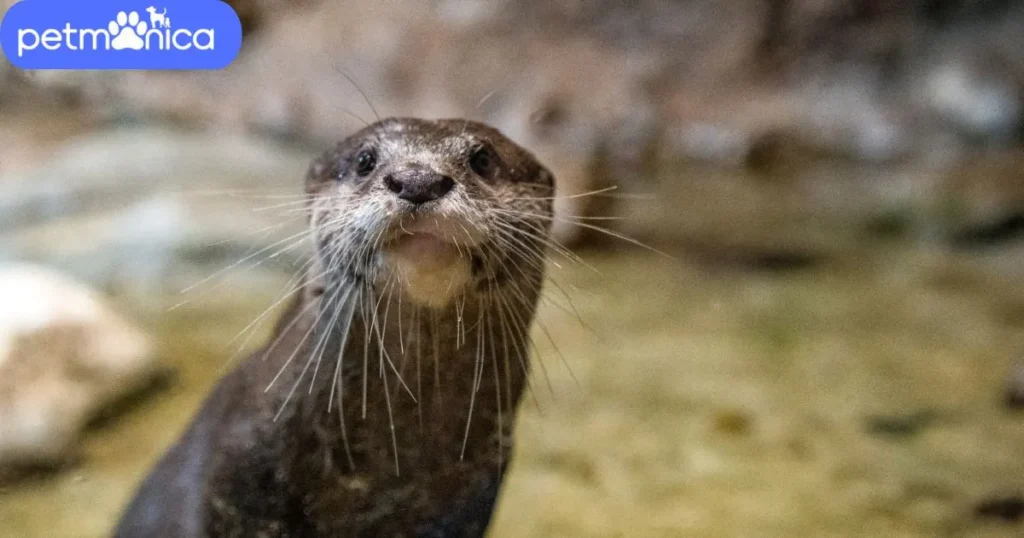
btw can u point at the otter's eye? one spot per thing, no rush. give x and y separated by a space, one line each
482 162
366 161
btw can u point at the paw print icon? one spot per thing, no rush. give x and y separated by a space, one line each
127 31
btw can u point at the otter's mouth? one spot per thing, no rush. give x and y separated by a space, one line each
432 239
426 249
430 256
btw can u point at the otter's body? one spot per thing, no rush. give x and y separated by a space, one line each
396 372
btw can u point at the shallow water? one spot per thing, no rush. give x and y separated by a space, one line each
860 397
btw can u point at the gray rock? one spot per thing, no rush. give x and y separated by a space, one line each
714 143
154 210
64 355
982 105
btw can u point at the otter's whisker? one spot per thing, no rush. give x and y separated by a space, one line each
251 327
599 229
291 357
360 90
513 233
477 373
518 295
401 333
366 346
436 355
273 345
391 423
497 390
505 312
418 341
301 234
287 329
283 296
569 196
339 363
344 429
288 193
223 282
290 204
318 351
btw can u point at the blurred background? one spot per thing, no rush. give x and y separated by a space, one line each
835 346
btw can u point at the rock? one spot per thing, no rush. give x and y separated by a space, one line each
845 120
714 143
982 105
147 211
64 355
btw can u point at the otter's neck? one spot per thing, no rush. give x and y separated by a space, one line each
389 383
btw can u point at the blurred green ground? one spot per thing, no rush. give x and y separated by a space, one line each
707 401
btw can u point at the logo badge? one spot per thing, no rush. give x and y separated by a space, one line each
120 34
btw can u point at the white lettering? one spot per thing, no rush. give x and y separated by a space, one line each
179 46
51 39
159 39
98 39
96 34
68 30
208 32
22 46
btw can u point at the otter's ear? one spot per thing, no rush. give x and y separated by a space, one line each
323 168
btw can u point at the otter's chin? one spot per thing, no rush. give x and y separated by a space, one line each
431 270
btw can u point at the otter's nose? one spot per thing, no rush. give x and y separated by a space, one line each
418 186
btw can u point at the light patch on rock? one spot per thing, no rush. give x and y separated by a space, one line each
714 143
64 355
982 105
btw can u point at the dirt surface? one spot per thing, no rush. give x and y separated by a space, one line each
861 397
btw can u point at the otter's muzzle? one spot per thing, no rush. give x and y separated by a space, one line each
418 185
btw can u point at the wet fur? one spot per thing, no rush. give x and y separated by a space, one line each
369 414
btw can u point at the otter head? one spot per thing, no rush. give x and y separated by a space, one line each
433 209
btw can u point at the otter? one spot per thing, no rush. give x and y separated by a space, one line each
383 403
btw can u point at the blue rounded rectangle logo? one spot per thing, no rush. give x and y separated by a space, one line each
120 34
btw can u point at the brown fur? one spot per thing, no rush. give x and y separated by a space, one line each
427 393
